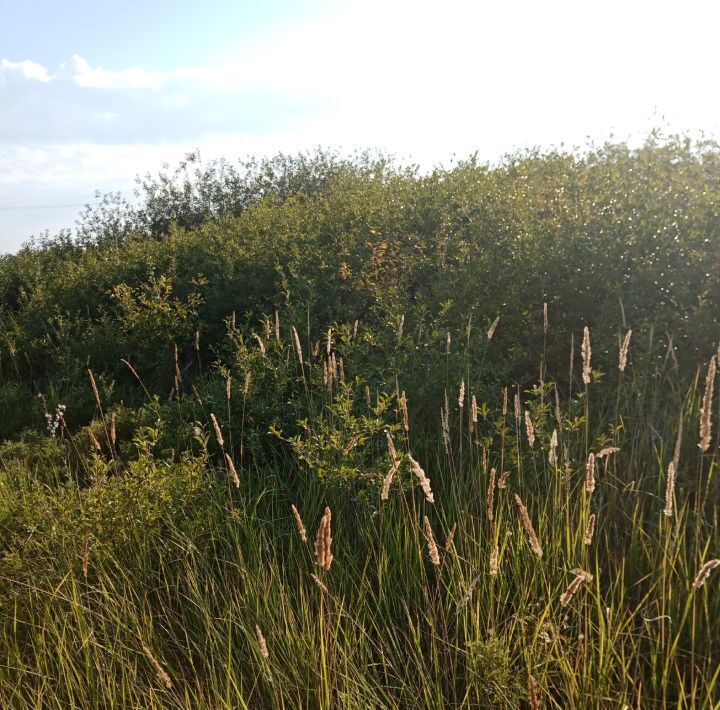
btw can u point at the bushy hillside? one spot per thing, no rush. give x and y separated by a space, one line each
488 390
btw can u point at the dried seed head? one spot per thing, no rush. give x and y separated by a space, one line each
529 530
494 561
590 530
262 644
530 428
451 537
232 470
706 409
432 545
502 482
299 523
491 496
95 389
246 384
505 401
387 481
422 478
159 670
461 395
669 490
94 441
218 432
277 325
580 578
586 354
298 347
552 454
260 343
319 583
491 329
518 408
704 572
622 357
228 388
545 318
391 446
606 452
473 413
113 433
532 694
404 411
590 474
323 541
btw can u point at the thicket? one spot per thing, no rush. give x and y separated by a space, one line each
309 330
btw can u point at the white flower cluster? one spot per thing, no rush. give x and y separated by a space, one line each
53 420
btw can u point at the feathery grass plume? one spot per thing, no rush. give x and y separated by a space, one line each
299 523
315 350
451 537
328 341
197 340
96 393
623 353
94 441
323 541
530 428
422 477
298 347
558 414
277 326
505 401
586 355
706 409
529 529
159 670
445 427
580 578
86 556
532 694
260 343
502 482
491 496
391 446
552 453
233 470
262 644
319 583
447 344
590 530
494 555
432 545
233 320
491 329
228 388
113 433
678 445
590 474
341 371
606 452
473 414
545 318
704 572
387 481
404 411
246 384
518 407
178 375
669 490
333 367
218 432
368 399
461 395
469 591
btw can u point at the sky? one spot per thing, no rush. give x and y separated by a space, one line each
95 93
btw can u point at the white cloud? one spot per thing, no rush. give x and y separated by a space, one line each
26 68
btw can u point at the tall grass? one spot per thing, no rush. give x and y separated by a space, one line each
472 565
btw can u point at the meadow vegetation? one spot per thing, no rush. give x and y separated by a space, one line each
319 432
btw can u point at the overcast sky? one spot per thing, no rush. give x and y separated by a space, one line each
93 93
